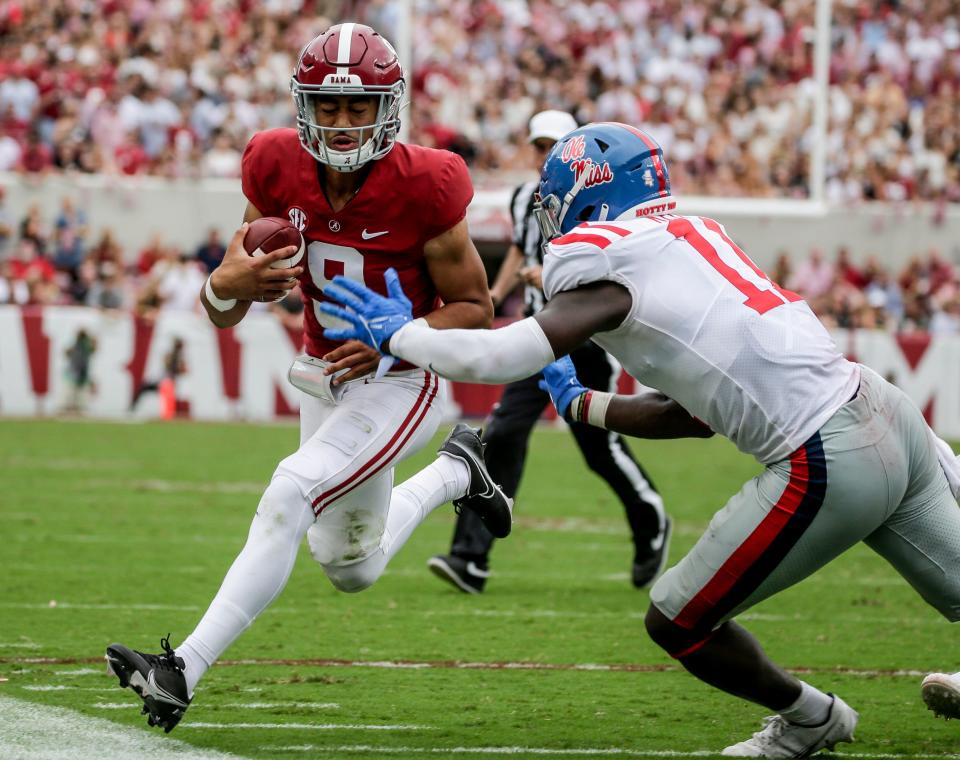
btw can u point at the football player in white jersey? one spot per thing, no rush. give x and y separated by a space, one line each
847 456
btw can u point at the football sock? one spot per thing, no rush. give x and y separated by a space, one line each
811 708
257 575
444 480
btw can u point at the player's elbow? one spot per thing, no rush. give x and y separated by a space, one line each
484 307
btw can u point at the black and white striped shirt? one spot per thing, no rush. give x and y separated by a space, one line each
526 236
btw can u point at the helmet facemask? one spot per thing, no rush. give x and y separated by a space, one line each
383 130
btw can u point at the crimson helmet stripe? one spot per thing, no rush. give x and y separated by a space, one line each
651 145
343 47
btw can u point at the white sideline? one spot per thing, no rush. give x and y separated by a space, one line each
237 705
553 752
307 726
39 732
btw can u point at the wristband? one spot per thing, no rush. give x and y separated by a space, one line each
591 408
220 304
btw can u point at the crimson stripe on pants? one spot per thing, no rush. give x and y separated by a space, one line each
431 384
753 548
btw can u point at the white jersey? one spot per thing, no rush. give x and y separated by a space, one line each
709 329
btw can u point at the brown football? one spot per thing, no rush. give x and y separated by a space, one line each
268 233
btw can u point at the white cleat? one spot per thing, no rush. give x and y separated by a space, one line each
941 693
780 738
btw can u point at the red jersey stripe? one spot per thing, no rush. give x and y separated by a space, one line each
608 227
745 555
577 237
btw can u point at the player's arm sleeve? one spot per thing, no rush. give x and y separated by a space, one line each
491 357
452 193
253 173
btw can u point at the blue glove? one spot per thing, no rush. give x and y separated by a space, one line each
560 381
373 317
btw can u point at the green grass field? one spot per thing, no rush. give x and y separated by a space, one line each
123 532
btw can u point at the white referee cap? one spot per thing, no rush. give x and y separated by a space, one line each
551 125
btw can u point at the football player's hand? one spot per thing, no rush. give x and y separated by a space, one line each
561 382
354 355
372 318
246 278
533 275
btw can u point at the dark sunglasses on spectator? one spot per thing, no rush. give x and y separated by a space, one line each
543 146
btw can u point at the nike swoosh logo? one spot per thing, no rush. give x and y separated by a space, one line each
370 235
476 571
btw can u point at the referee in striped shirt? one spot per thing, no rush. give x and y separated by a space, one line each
508 429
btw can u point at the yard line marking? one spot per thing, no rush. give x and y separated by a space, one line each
276 705
460 611
56 605
81 671
308 726
234 705
29 730
177 486
18 645
569 752
459 665
61 687
65 463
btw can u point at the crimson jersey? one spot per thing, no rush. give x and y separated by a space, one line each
410 196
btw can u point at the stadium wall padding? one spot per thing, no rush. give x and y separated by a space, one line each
240 374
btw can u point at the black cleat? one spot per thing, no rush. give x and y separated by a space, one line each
465 574
483 495
156 678
648 565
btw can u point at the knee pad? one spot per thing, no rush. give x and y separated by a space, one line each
357 576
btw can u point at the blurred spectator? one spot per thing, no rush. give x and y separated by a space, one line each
176 89
109 289
151 254
13 290
19 93
179 281
33 230
847 272
812 277
37 157
174 365
69 229
211 252
222 159
10 152
6 226
79 355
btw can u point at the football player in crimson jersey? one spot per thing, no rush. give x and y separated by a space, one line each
847 456
365 204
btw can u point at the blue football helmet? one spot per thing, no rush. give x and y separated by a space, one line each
600 172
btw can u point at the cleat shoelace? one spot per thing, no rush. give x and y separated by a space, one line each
773 728
166 661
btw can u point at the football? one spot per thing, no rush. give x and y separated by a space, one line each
268 233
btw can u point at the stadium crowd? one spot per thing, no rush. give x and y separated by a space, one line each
62 261
175 89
